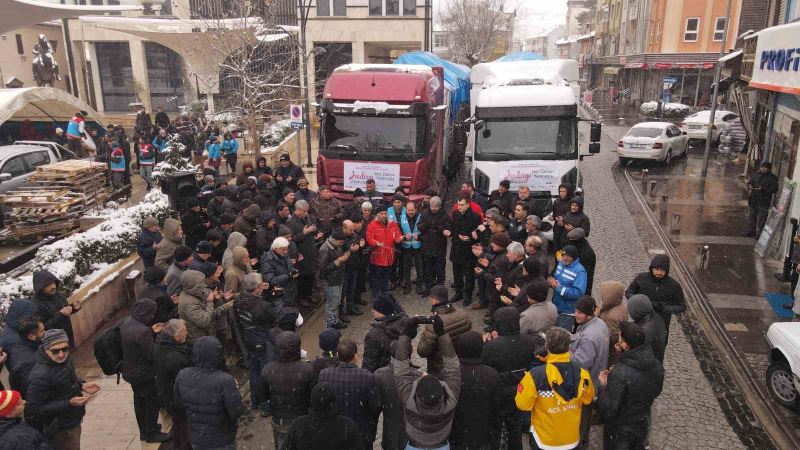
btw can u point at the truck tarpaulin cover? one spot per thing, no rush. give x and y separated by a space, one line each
456 76
521 56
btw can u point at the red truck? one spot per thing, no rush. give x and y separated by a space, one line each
384 122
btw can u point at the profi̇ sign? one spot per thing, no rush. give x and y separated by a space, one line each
777 64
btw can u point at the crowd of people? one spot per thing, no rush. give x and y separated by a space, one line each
229 279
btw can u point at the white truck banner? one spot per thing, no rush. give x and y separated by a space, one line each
386 176
537 176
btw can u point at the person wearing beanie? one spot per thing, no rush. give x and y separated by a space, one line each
568 284
216 207
540 314
51 306
165 249
664 292
15 433
193 223
476 421
355 391
267 232
184 260
382 236
630 388
196 304
148 237
324 426
456 322
332 259
288 173
328 346
557 393
56 395
613 311
641 311
304 193
577 238
386 328
152 285
354 207
256 318
247 223
503 197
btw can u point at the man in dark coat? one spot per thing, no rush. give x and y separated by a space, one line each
324 427
576 218
170 356
355 391
138 334
193 223
51 306
16 434
476 423
462 232
56 400
388 326
150 235
15 342
761 186
631 387
394 431
641 311
586 255
278 271
560 210
209 396
510 353
152 285
288 173
664 292
503 198
216 207
287 382
432 225
305 235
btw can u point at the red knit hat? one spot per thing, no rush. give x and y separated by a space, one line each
8 401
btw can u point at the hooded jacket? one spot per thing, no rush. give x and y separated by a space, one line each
195 308
577 219
169 357
174 273
235 239
144 246
561 206
167 309
247 222
633 385
18 435
256 318
48 307
210 396
377 343
510 353
641 312
194 229
665 294
588 260
456 322
555 393
288 380
137 343
324 427
236 271
21 352
264 235
589 346
50 386
167 246
614 311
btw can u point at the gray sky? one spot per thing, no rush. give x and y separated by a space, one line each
533 16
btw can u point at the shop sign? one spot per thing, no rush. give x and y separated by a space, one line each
386 176
777 62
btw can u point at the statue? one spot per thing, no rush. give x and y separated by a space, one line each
45 67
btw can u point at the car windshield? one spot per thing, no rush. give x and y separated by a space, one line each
644 132
522 138
392 138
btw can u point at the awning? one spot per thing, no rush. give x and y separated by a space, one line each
23 13
731 55
636 66
41 104
662 66
611 70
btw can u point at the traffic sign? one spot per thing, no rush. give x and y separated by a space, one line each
296 115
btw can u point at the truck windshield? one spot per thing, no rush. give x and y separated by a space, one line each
374 138
524 138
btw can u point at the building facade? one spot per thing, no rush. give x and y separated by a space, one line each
544 43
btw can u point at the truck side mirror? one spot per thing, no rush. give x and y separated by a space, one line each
594 147
594 133
478 124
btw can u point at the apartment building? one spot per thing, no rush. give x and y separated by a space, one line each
544 43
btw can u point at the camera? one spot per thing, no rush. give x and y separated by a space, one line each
422 320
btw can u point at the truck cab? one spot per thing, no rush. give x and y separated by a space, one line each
383 122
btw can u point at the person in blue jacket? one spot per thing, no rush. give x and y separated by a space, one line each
411 248
160 142
118 166
230 147
569 284
214 153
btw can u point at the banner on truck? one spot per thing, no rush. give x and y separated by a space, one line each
386 176
537 176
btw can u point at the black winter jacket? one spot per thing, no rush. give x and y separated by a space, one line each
394 432
169 358
578 219
633 385
331 431
767 185
50 386
463 224
17 435
210 397
666 294
588 260
256 318
325 360
377 343
193 228
144 246
137 343
288 381
48 306
477 412
431 225
305 243
505 201
277 271
167 309
21 352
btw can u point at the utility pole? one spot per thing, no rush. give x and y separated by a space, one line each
426 44
304 79
717 72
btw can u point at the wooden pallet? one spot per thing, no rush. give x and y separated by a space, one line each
33 230
72 167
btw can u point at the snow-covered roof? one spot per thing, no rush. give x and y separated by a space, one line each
405 68
565 69
23 13
652 125
531 95
29 103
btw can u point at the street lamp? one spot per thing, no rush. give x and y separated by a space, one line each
717 72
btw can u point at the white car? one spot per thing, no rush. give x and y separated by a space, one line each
696 125
783 372
660 141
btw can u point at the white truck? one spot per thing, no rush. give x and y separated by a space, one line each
524 127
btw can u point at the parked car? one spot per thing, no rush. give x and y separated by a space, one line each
696 125
659 141
21 158
783 372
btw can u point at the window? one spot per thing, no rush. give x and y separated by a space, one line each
20 47
604 14
409 7
14 166
324 7
375 7
37 159
392 7
719 28
439 40
692 28
339 7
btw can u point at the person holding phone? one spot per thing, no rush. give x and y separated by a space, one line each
332 259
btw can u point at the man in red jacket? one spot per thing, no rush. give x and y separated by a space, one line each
382 236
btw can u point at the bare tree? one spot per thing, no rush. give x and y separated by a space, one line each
475 28
585 18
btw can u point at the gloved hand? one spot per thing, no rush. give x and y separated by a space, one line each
410 327
438 325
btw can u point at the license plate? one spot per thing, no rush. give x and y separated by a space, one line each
695 127
637 145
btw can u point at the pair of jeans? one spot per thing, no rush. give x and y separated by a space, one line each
146 405
258 361
566 321
464 279
756 219
231 159
280 427
147 173
434 269
333 295
412 256
379 279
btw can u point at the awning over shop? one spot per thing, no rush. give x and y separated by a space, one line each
41 104
611 70
23 13
636 66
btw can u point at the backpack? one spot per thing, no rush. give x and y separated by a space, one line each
108 351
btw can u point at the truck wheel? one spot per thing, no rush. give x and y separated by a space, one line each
781 384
